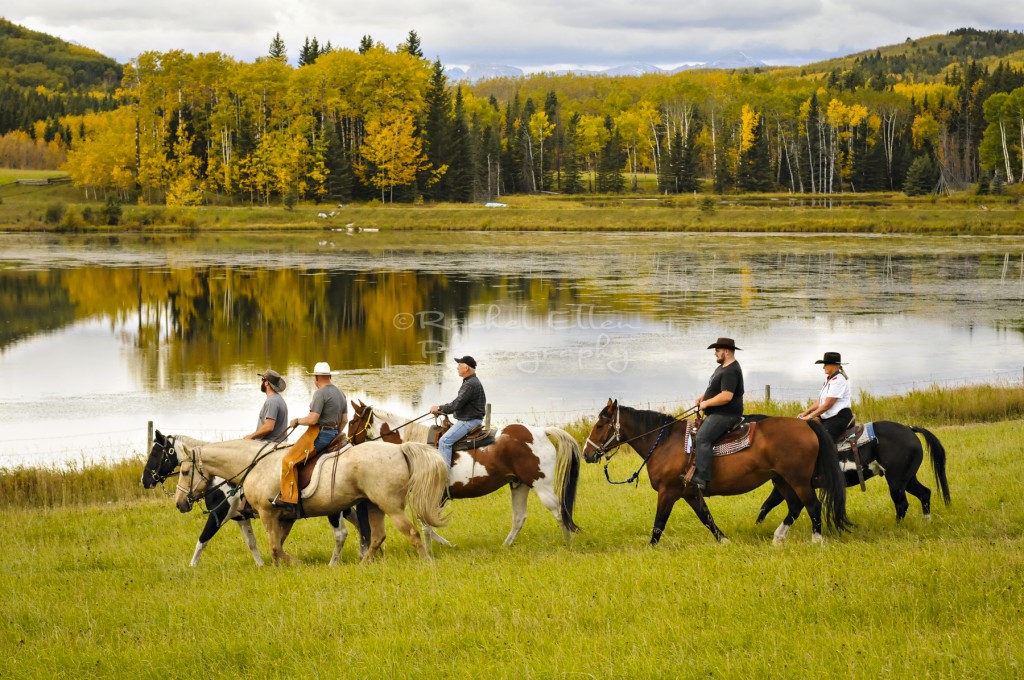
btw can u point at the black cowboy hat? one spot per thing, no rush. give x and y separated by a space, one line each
724 343
274 378
831 358
468 360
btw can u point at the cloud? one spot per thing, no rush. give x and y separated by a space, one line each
525 33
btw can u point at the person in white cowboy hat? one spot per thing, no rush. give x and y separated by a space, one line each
328 410
722 404
835 403
273 420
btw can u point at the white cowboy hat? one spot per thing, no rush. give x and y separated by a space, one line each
322 368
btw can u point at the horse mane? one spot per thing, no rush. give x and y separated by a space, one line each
648 420
188 441
411 432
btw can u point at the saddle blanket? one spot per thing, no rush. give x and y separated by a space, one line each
728 443
318 468
866 437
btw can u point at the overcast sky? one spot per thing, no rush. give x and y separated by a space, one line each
529 34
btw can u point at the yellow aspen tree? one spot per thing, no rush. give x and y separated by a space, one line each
749 118
391 154
183 173
541 129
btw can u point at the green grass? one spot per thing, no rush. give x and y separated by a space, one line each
24 208
104 590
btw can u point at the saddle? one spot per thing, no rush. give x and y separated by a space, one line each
307 468
740 437
859 434
477 438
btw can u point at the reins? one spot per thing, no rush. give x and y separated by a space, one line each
661 433
370 417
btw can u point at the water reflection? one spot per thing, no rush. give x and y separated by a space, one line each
99 335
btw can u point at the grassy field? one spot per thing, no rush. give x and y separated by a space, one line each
38 208
103 589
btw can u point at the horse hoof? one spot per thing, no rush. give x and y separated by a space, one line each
816 538
927 518
723 541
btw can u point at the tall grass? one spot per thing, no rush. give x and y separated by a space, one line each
72 484
106 591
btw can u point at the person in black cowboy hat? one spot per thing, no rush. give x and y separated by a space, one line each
273 421
468 407
835 405
722 404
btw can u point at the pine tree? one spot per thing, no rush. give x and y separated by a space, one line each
610 164
462 176
921 177
754 172
437 133
277 48
412 45
365 44
572 180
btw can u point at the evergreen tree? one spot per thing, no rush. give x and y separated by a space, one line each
412 45
688 172
437 134
610 163
365 44
572 180
463 183
922 177
277 48
340 177
754 172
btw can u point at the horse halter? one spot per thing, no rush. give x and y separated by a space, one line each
197 469
616 437
365 429
167 465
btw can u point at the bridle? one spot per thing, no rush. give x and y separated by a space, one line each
616 437
365 430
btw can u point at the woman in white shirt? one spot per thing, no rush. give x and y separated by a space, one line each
834 406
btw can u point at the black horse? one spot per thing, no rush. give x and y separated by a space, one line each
224 503
897 455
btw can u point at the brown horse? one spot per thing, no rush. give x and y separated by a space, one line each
522 457
788 451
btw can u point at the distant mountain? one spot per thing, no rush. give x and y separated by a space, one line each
476 73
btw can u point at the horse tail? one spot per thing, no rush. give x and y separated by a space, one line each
938 453
831 480
428 482
567 472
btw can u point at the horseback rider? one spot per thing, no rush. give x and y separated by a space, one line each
273 420
467 407
328 410
835 405
722 404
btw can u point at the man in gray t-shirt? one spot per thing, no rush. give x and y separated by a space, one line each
328 408
273 420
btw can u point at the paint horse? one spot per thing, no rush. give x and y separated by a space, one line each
895 452
788 451
522 457
225 501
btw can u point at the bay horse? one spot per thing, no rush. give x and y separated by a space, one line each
225 501
522 457
386 474
896 454
786 450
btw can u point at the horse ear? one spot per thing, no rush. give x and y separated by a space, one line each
610 402
158 437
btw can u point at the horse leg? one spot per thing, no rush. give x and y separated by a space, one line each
547 496
245 526
700 508
923 494
806 497
340 535
770 503
404 525
520 494
277 531
375 516
794 508
898 493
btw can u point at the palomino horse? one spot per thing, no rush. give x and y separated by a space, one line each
388 475
224 501
522 457
786 450
897 455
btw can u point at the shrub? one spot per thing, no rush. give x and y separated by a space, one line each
55 213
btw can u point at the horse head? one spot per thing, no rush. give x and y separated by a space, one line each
605 434
162 461
191 486
360 428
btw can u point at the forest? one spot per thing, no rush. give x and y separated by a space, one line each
942 113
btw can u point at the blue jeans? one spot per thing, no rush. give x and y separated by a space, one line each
457 432
325 437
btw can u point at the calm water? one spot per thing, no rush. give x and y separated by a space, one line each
100 335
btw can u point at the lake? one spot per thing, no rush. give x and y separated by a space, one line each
101 334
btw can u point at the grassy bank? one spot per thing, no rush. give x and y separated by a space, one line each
63 209
105 590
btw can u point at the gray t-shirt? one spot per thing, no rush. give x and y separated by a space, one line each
276 408
330 403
